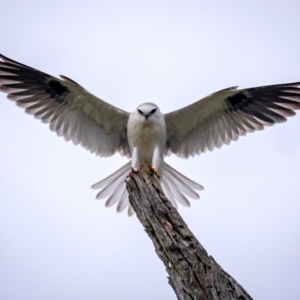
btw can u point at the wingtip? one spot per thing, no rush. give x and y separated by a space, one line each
201 188
4 58
93 187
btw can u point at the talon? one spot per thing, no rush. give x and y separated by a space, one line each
155 172
136 171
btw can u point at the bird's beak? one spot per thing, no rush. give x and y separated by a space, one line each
147 116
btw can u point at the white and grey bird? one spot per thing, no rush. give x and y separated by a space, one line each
146 135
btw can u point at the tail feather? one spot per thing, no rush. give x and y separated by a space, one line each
189 182
174 203
115 196
185 189
130 211
176 186
187 186
168 192
110 188
100 184
123 203
177 194
110 183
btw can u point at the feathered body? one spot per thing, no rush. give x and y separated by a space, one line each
146 132
145 135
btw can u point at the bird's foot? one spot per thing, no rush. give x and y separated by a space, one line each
136 171
154 171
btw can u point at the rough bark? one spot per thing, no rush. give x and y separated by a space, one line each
193 274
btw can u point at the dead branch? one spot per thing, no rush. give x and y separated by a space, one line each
193 274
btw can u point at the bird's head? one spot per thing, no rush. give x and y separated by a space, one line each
149 111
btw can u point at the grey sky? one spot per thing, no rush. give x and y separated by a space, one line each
57 242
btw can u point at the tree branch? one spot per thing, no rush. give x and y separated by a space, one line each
193 274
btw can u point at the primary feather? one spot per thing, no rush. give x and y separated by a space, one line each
70 110
225 115
145 135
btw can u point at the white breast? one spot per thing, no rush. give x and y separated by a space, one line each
146 135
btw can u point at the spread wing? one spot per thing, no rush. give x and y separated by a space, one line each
225 115
70 110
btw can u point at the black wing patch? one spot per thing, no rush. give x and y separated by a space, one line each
238 101
19 80
269 104
57 91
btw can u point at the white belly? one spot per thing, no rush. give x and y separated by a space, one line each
147 139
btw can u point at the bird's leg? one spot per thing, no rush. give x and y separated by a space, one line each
156 161
136 171
135 163
154 171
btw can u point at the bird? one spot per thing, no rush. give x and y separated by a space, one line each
146 135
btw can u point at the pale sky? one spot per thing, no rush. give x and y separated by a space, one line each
57 241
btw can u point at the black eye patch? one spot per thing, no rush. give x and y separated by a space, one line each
153 111
140 112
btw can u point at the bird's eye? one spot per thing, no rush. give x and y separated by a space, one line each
153 110
140 112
